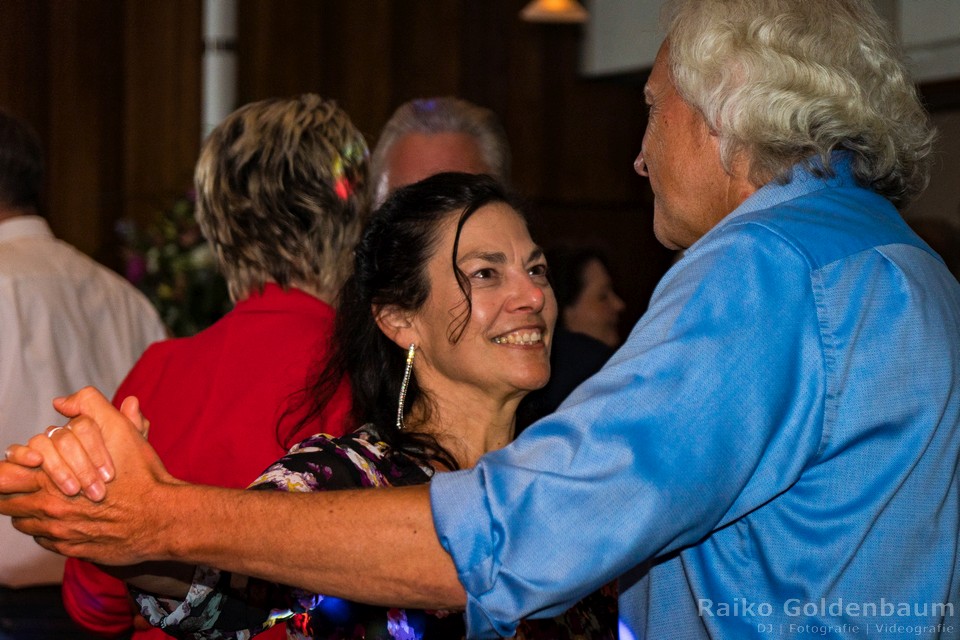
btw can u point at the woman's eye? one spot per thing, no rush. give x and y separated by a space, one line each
484 274
539 270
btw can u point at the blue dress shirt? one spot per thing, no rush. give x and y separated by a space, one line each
772 454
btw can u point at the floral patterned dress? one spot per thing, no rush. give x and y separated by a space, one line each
221 605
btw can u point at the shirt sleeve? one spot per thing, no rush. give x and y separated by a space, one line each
711 408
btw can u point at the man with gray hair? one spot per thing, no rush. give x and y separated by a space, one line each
772 453
433 135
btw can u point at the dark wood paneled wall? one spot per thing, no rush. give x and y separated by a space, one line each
573 139
113 86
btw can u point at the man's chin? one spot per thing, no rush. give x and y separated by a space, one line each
664 237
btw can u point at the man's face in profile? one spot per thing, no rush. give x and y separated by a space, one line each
681 156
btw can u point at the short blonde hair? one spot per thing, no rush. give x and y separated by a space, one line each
281 194
787 80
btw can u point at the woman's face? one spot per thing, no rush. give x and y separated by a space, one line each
504 350
596 312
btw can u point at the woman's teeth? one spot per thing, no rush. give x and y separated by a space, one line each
519 337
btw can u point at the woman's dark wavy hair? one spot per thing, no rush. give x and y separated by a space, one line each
390 270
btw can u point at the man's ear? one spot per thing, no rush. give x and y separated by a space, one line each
396 324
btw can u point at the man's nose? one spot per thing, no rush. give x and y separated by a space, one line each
640 166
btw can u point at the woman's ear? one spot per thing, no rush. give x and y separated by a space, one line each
396 324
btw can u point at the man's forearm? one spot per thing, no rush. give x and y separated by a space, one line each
377 546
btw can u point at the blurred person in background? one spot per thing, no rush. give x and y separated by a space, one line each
433 135
64 320
588 303
588 329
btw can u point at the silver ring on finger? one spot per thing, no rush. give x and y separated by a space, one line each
53 430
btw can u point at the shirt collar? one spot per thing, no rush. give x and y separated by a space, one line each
24 227
800 181
275 297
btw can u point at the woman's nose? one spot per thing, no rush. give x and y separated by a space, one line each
528 295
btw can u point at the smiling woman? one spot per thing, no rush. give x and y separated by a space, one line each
496 347
445 325
446 265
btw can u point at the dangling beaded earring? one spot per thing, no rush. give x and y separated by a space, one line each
411 352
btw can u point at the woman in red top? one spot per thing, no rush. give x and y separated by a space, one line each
280 198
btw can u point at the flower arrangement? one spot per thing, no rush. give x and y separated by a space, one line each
171 263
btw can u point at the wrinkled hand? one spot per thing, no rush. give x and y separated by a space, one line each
74 456
100 443
15 478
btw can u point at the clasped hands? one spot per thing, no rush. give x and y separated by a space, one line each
55 487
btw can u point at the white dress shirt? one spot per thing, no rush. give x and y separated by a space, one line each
65 322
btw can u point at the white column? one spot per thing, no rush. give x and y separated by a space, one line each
219 62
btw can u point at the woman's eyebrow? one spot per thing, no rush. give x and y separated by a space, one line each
497 257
